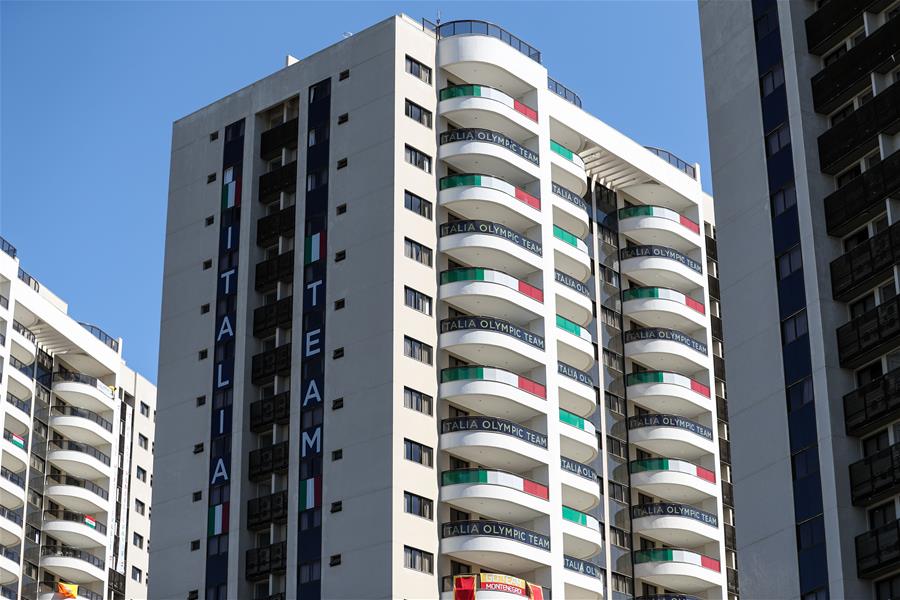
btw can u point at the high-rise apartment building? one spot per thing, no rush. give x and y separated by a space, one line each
804 112
424 317
76 454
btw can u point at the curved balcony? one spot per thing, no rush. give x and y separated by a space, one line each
575 344
675 569
475 106
675 524
665 349
488 390
670 435
492 245
81 460
578 437
571 254
571 211
495 443
491 586
580 487
573 298
19 382
15 451
495 494
576 390
11 527
476 150
488 198
582 579
581 533
478 290
673 479
495 545
81 425
24 343
74 529
661 266
85 391
20 410
659 226
77 494
567 168
482 51
488 340
12 488
73 564
10 564
662 307
664 391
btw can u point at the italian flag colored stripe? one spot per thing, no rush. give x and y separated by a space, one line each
314 248
500 478
575 421
494 183
311 493
90 521
569 238
658 212
218 519
525 110
18 441
483 91
689 224
471 373
583 519
675 555
673 465
562 150
231 189
489 275
573 328
663 294
665 377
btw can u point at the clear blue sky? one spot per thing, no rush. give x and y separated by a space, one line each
88 93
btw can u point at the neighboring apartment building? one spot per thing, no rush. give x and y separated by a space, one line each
77 451
804 112
424 317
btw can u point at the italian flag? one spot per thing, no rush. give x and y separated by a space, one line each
664 294
314 248
500 478
311 493
494 374
576 516
665 377
659 212
574 420
481 274
671 464
673 555
482 91
231 189
494 183
569 238
218 519
18 441
573 328
90 521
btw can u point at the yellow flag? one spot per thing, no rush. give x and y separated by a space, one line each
67 590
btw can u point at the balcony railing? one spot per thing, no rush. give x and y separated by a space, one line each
495 582
658 293
495 477
484 91
12 553
15 439
567 154
4 301
72 377
69 445
48 587
870 334
580 469
281 179
668 509
492 276
19 403
870 406
275 269
573 328
584 567
101 335
569 238
24 331
482 373
674 421
878 551
660 252
63 479
272 508
268 460
11 515
268 411
676 555
83 413
573 373
672 465
276 361
660 213
15 478
477 134
27 370
865 264
580 518
75 517
490 228
271 316
495 425
67 552
497 529
876 476
489 182
274 139
282 223
471 27
661 333
476 323
7 248
666 377
563 92
29 280
834 21
863 197
673 160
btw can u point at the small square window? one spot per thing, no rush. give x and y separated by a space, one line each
195 545
337 403
338 353
341 209
210 220
201 400
340 255
198 496
198 448
210 178
337 506
344 75
207 264
337 454
335 560
214 136
339 304
343 118
193 595
202 354
342 163
204 308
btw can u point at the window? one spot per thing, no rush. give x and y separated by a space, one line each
143 442
340 209
338 353
834 56
418 205
214 136
617 447
145 409
419 114
207 264
417 69
416 300
137 574
417 252
418 159
783 199
778 139
137 539
343 118
766 24
197 496
882 515
417 505
800 394
417 401
619 492
339 304
793 327
610 317
210 178
841 114
619 537
418 453
210 220
613 360
320 90
139 507
342 163
417 350
317 135
198 448
620 583
615 403
340 255
337 454
337 506
141 474
316 179
418 560
334 560
337 404
848 176
310 571
217 544
862 306
810 533
805 463
771 80
202 354
201 400
345 74
195 545
790 262
204 308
